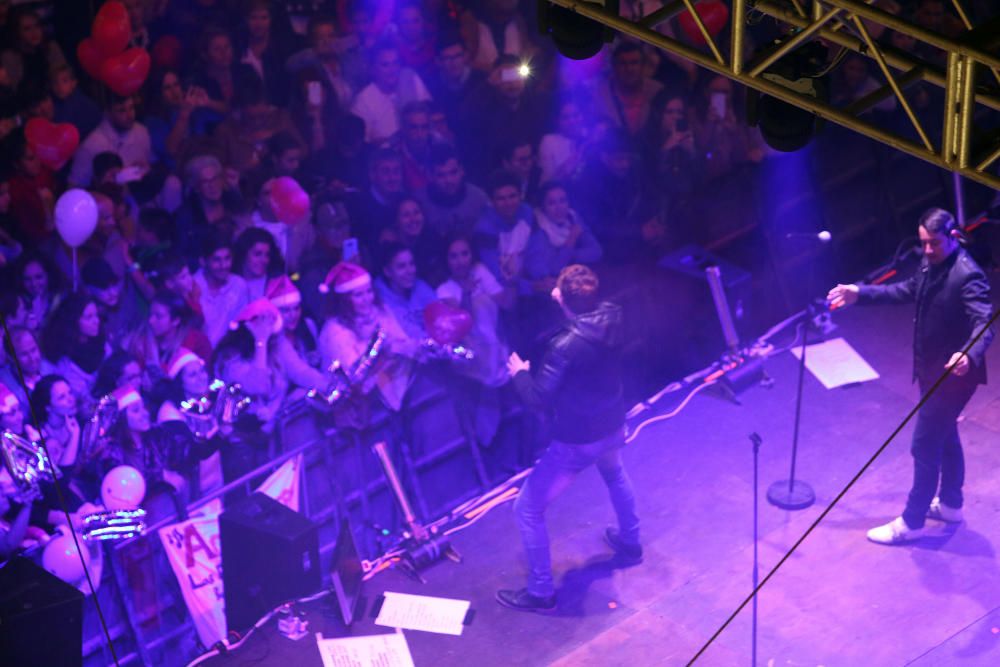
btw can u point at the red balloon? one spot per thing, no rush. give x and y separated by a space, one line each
166 53
714 15
447 324
53 143
90 57
112 29
290 202
126 72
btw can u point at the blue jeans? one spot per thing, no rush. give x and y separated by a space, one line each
558 467
937 449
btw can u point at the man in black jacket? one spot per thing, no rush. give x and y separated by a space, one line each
580 385
953 308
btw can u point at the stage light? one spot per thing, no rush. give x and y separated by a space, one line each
783 126
524 70
575 36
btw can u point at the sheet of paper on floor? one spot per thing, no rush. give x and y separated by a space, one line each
422 612
835 363
388 650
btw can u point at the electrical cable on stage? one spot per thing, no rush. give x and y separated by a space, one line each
222 646
673 413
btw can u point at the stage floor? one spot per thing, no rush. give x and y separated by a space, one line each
838 601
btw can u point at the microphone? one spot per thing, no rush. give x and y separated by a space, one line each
823 236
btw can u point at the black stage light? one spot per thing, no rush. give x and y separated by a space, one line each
575 36
783 126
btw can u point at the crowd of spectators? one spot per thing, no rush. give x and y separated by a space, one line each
438 168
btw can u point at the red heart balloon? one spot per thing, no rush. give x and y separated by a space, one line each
447 324
112 29
126 72
713 14
53 143
90 57
288 200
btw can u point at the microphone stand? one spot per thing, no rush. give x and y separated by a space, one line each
793 494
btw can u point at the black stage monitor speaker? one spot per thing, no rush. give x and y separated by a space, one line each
41 617
270 554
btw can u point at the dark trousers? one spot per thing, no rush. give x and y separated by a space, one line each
938 461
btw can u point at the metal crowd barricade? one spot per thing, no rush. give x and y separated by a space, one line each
328 454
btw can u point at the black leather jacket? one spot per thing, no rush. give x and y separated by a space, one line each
953 305
579 380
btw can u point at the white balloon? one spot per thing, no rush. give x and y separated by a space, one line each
62 559
76 217
123 488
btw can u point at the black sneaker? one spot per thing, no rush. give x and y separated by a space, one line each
631 553
522 600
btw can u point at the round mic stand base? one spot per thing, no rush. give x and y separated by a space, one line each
795 496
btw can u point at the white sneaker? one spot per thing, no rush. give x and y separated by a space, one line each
895 532
942 512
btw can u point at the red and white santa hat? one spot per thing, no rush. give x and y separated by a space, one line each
182 357
281 291
8 401
345 277
126 396
256 309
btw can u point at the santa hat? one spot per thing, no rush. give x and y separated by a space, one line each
281 291
255 309
182 357
125 396
345 277
8 401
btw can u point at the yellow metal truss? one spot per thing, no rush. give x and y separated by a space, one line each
845 23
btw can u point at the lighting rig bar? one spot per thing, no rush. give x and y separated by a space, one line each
845 23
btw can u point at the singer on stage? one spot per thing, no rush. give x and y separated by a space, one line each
953 305
579 384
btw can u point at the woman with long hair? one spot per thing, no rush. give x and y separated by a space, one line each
74 341
55 407
30 54
357 315
153 451
257 259
561 153
263 45
471 286
187 379
670 153
176 115
297 345
560 238
410 228
39 282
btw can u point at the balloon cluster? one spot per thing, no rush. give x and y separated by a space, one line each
105 56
